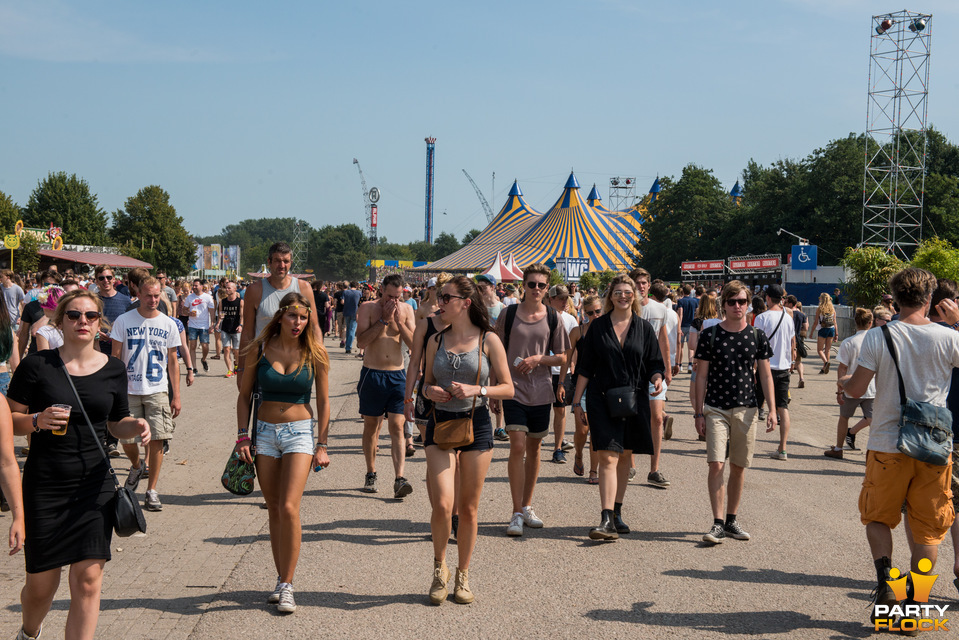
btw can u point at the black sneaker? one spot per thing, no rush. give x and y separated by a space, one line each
401 488
881 594
657 479
455 522
715 535
559 456
112 451
206 367
370 485
417 439
733 530
851 442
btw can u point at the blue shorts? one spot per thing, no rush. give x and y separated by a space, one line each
828 332
662 394
193 333
482 428
277 440
381 391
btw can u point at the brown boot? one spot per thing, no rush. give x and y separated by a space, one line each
462 593
441 575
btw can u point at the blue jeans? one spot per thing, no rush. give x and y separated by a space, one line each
350 331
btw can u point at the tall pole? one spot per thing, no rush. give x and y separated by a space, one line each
430 151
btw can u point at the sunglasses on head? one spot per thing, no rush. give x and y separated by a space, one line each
104 277
738 301
446 297
537 285
75 315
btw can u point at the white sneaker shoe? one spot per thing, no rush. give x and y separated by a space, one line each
287 604
274 597
530 519
515 527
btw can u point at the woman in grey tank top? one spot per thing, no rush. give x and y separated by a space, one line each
452 358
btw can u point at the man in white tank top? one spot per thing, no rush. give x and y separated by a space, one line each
262 299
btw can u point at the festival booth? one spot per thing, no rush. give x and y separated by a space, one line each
83 261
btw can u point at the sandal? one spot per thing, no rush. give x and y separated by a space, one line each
578 468
593 478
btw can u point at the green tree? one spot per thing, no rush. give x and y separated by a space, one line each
254 237
938 256
150 221
339 253
9 214
66 202
596 279
871 269
470 236
444 245
26 258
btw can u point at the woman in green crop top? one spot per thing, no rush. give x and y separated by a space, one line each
288 362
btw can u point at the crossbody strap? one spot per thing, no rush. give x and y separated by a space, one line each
479 367
93 432
895 361
777 326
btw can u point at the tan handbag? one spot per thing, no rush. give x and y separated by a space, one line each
458 432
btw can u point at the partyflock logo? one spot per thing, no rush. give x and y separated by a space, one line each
915 615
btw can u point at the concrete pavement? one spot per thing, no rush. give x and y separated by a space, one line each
204 569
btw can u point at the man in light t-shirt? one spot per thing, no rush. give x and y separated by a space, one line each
778 326
659 292
655 313
848 355
927 353
200 305
147 340
557 298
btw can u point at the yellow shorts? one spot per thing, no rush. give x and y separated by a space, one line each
892 478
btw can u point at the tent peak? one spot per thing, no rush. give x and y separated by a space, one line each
594 194
572 182
515 191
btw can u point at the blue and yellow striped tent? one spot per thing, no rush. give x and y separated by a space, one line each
572 228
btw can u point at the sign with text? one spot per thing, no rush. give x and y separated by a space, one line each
373 215
748 264
572 269
804 257
704 265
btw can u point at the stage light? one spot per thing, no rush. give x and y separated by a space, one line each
884 26
917 25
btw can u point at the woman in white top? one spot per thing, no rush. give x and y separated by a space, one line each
49 336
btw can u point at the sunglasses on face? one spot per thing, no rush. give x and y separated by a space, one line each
104 277
75 315
738 301
446 297
536 285
622 294
594 312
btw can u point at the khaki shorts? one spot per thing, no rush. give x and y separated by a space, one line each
892 478
730 433
155 409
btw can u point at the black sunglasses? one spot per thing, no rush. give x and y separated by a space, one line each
594 312
75 315
738 301
446 297
537 285
104 277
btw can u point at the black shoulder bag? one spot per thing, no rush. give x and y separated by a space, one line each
622 402
128 516
925 430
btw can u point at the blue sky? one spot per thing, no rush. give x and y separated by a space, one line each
246 110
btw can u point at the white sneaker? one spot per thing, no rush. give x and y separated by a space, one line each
274 597
22 635
287 604
515 527
530 519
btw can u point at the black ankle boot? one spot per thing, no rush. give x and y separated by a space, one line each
621 527
606 529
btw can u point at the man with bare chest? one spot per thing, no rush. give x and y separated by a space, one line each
381 325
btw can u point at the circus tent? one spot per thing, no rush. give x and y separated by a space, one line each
574 227
501 270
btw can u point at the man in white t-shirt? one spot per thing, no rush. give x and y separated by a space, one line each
557 298
848 356
778 326
147 340
655 313
200 305
659 292
927 353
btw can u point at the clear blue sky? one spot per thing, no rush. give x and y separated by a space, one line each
246 110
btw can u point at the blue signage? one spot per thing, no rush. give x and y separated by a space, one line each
804 257
572 268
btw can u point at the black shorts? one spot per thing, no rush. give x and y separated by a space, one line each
482 428
780 387
381 392
534 421
569 390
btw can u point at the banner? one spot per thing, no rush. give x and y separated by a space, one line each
198 262
571 269
757 263
704 265
215 255
207 258
231 258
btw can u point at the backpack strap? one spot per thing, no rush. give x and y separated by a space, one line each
508 325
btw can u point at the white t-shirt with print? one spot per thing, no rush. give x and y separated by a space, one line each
202 304
849 356
146 343
927 355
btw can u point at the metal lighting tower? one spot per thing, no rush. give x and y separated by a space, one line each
430 151
896 131
622 193
300 246
370 198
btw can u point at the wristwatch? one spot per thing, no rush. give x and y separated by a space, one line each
36 427
483 391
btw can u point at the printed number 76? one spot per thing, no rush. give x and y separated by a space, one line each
154 359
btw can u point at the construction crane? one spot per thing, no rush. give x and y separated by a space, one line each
368 205
482 198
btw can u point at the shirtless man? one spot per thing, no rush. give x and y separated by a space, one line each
380 325
262 299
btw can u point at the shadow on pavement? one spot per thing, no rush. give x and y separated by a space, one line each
765 623
770 576
369 532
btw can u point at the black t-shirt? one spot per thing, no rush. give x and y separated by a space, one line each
231 315
322 300
338 299
32 311
799 318
731 356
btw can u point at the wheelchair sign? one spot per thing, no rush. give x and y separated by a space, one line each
804 256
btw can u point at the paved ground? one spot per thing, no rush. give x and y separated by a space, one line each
204 569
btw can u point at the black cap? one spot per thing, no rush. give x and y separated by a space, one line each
775 292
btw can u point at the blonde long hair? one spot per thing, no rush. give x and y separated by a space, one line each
311 349
825 305
608 298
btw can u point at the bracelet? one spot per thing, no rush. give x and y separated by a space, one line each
243 439
409 401
698 415
955 326
320 445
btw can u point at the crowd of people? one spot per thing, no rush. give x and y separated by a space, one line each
501 362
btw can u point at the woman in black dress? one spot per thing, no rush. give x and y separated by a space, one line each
67 490
620 349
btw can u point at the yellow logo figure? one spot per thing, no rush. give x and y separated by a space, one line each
922 583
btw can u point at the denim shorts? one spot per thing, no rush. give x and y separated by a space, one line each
4 382
230 340
192 333
827 332
277 440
